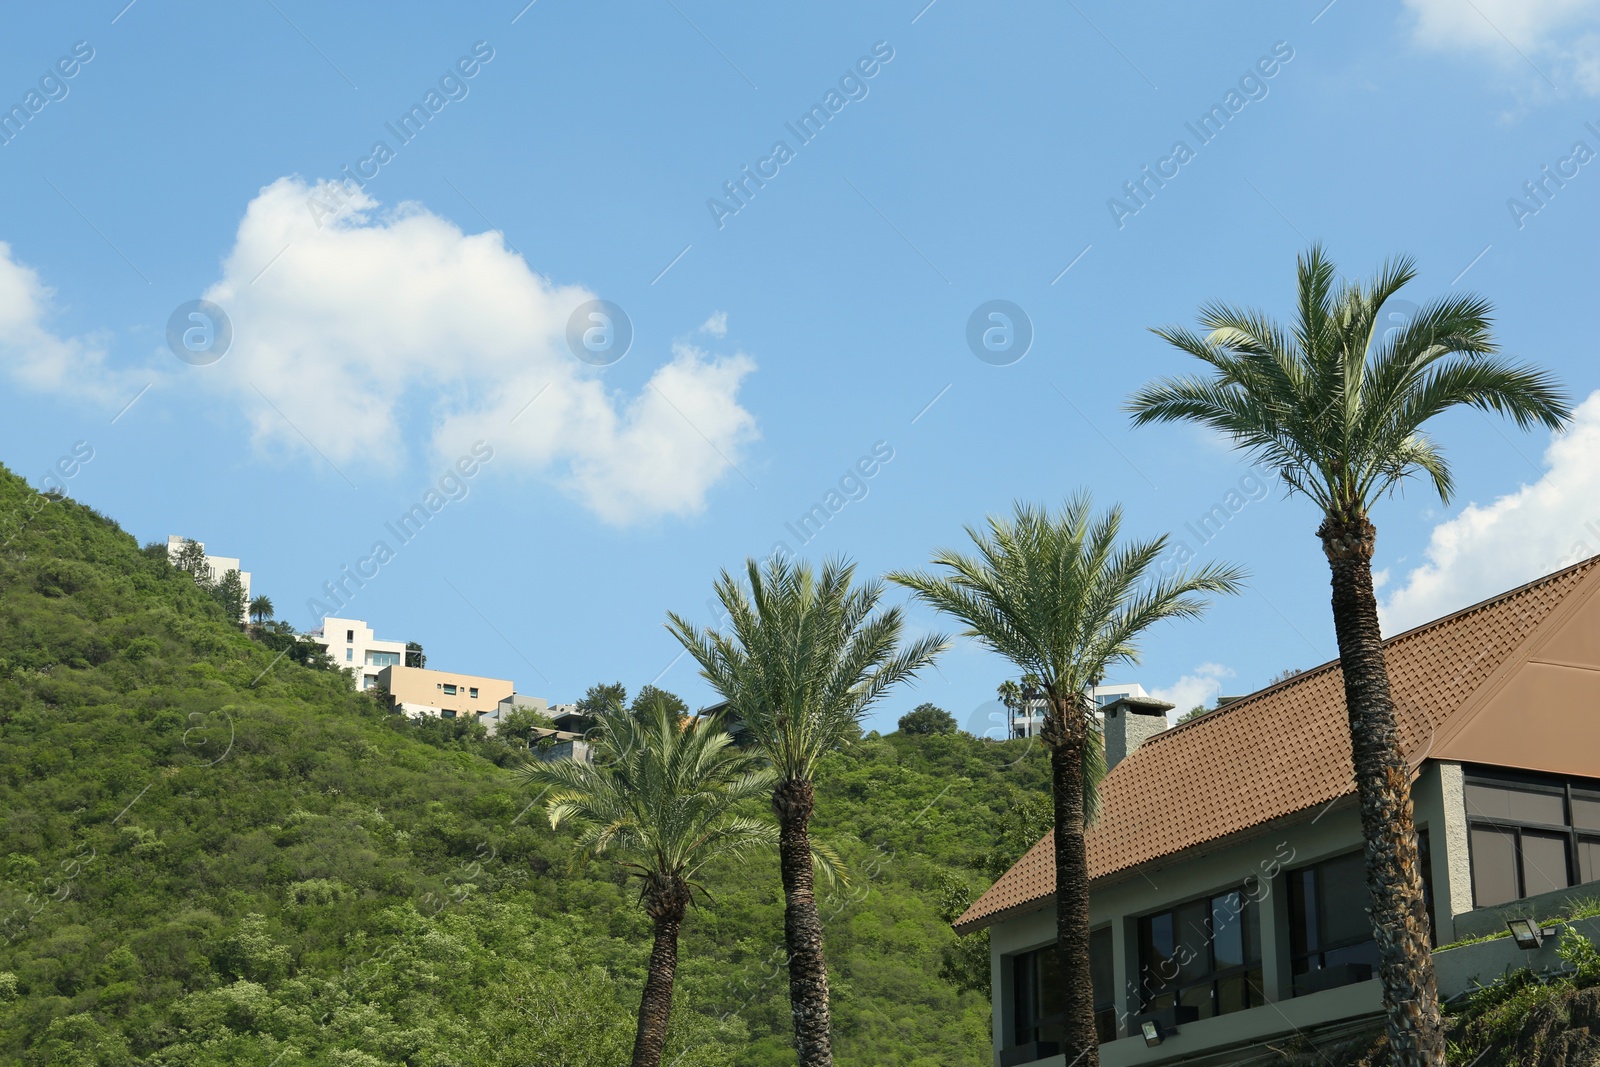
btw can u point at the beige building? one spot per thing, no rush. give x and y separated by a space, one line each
352 645
1228 911
417 691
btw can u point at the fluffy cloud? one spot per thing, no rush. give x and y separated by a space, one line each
350 334
716 325
1201 687
1524 535
39 359
1561 38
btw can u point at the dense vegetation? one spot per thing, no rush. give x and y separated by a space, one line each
213 854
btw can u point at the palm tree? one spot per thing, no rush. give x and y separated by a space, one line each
806 658
1010 694
662 797
1059 597
1337 409
261 609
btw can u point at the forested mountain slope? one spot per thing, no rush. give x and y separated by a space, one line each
212 854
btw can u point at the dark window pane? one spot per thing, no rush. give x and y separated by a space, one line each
1227 943
1101 976
1193 928
1489 801
1251 920
1544 862
1547 808
1366 952
1494 866
1161 1003
1586 813
1232 995
1345 900
1257 987
1155 951
1198 997
1589 859
1304 934
1105 1025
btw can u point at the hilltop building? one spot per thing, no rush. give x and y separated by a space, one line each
219 566
1227 903
352 644
1028 717
418 691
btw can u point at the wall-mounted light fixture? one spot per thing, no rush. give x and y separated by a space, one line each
1528 934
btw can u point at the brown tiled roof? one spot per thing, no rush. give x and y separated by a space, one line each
1282 750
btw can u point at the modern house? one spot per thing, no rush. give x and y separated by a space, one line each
219 565
514 702
352 645
1228 901
417 691
1029 714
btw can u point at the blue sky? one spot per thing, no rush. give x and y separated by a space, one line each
576 153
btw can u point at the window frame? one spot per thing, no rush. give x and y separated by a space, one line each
1105 1013
1567 788
1255 991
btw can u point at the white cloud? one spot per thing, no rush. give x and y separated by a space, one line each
1559 38
1524 535
716 325
361 329
40 359
1201 687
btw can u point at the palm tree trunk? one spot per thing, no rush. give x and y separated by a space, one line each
1080 1042
1383 788
656 1006
793 800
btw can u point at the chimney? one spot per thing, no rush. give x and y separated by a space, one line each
1130 722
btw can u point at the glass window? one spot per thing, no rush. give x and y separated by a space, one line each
1585 812
449 689
473 692
448 713
1039 992
1328 921
1529 835
349 637
383 659
1544 862
1205 954
349 655
1494 866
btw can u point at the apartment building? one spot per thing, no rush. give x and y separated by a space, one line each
352 645
417 691
1027 718
1228 907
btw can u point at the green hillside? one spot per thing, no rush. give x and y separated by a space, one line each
213 854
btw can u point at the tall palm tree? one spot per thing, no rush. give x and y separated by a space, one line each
261 609
807 656
1337 406
1010 694
661 796
1060 597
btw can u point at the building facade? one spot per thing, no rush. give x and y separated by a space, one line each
1027 718
219 566
416 691
1227 900
352 645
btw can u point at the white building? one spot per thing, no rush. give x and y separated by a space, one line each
1028 718
219 565
351 644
